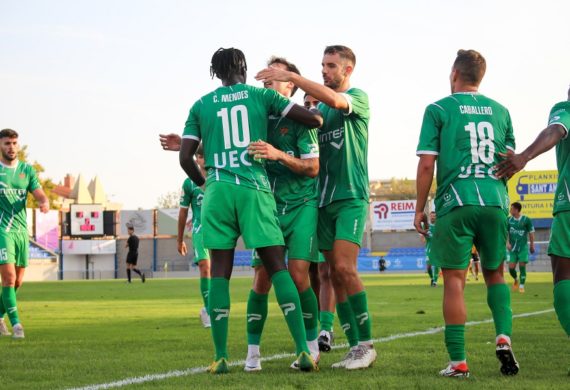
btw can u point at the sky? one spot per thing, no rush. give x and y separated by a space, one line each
89 85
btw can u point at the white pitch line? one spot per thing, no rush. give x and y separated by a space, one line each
198 370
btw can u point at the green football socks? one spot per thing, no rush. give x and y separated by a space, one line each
326 319
513 272
523 275
347 322
499 301
256 316
288 300
435 273
562 303
310 309
455 342
359 304
219 310
9 301
205 290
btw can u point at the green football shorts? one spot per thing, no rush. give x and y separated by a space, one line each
200 253
299 227
519 257
342 220
559 237
230 210
14 248
457 231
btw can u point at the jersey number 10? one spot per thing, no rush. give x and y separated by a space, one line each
481 137
231 126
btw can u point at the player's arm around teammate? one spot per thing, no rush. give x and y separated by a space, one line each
344 190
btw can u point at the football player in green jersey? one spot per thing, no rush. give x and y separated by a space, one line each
292 162
343 181
555 134
238 199
321 281
192 196
16 180
432 270
464 133
520 231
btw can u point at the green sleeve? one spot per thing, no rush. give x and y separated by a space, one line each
276 104
308 143
186 197
358 102
34 181
509 136
560 117
429 134
529 225
192 129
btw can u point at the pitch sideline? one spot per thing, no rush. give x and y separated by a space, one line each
197 370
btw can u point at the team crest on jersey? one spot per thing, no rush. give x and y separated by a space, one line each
22 175
284 130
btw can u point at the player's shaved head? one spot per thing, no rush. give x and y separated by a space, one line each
470 66
344 52
227 63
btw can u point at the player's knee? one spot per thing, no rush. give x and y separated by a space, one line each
301 281
344 273
261 281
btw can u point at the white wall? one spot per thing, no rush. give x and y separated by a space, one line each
40 270
100 267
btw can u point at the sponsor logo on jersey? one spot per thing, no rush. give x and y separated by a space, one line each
334 137
284 130
22 175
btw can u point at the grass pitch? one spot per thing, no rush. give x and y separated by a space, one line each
101 332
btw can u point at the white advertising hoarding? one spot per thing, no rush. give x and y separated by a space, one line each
393 215
88 247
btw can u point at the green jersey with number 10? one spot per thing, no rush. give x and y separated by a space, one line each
227 120
467 131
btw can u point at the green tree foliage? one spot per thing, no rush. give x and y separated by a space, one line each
170 200
47 184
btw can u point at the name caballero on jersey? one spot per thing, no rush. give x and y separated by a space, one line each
476 110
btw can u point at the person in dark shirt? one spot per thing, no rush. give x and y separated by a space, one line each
133 254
